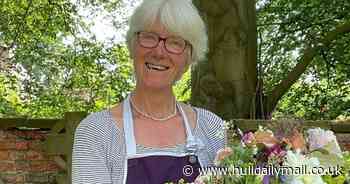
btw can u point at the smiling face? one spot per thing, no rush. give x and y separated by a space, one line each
156 68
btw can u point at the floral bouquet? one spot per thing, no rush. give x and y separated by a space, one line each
281 153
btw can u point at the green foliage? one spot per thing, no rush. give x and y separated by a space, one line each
9 98
344 178
285 29
182 89
87 82
315 100
52 67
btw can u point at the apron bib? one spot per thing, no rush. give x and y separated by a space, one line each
159 167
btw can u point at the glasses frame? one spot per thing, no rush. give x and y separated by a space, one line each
164 40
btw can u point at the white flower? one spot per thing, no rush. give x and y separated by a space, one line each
201 179
298 161
226 125
319 138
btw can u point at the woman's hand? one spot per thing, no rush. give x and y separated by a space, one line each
222 154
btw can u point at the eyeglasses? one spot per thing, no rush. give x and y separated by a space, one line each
173 44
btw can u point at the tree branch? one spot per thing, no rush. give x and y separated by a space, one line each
309 53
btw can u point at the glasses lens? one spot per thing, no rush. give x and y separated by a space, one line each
175 45
147 39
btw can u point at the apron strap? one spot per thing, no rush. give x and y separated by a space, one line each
191 143
128 128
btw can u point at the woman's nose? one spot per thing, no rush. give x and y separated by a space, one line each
160 49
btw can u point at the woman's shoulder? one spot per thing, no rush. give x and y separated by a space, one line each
208 118
210 124
99 123
95 119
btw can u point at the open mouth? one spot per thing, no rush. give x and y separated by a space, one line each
156 67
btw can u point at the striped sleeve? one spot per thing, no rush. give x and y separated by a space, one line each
89 164
212 126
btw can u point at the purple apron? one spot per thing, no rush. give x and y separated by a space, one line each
159 167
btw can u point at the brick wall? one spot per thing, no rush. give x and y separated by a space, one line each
22 159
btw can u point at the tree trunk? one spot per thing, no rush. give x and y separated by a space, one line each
226 82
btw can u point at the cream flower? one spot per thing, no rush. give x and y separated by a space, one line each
265 137
201 179
319 138
297 160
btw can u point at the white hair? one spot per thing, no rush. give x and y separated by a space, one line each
179 17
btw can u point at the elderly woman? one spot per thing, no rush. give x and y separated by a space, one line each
150 138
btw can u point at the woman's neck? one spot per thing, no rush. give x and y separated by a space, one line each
156 103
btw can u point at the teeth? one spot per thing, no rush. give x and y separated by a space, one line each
156 67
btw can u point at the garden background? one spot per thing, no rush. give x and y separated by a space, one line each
268 59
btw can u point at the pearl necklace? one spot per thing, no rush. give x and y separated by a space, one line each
144 114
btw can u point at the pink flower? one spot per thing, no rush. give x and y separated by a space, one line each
222 154
275 153
248 138
276 150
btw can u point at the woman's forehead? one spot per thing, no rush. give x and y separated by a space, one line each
160 29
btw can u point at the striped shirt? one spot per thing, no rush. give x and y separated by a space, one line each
99 150
179 149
